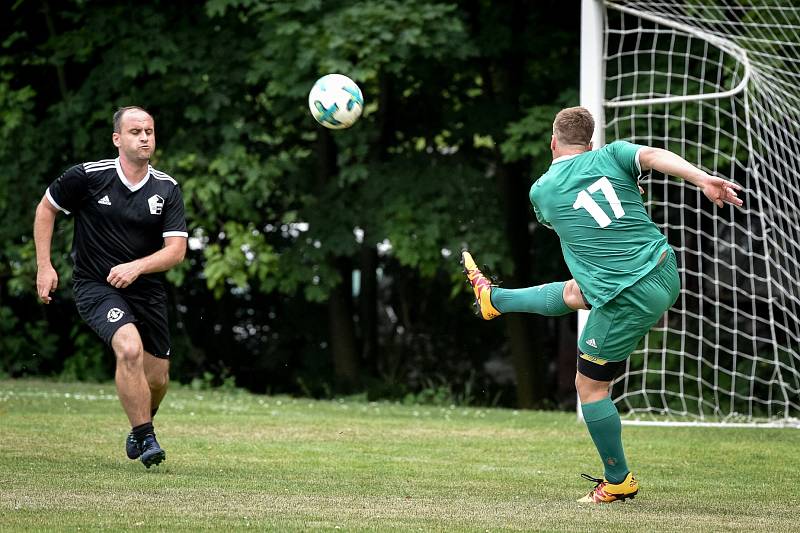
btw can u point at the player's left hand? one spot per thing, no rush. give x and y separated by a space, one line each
123 275
721 191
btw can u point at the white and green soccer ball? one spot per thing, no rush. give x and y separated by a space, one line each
335 101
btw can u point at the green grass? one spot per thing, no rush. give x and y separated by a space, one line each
236 460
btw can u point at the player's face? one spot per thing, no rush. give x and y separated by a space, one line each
136 139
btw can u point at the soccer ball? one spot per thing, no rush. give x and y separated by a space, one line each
335 101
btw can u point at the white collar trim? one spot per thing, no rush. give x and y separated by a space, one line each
565 157
124 180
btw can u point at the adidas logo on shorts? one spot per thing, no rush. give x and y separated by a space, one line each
592 343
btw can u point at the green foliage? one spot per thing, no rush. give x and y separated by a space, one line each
208 381
443 394
90 360
275 204
524 136
247 256
24 346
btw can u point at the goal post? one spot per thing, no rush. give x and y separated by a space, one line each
592 93
719 84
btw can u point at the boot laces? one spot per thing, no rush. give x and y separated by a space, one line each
595 480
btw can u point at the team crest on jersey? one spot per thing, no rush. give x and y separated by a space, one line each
114 314
156 204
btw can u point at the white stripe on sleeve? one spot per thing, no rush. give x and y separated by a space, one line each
638 164
55 204
175 234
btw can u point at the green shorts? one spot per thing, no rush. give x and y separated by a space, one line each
613 330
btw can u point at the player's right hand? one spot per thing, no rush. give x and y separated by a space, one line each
721 191
46 282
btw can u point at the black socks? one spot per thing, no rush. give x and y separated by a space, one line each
139 432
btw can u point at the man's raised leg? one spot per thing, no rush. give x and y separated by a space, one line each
549 299
135 396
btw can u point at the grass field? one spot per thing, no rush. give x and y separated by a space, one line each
236 460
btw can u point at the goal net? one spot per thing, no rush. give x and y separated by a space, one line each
718 83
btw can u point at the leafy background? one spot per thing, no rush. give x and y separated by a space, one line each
321 263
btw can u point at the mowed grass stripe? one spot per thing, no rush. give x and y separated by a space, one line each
239 460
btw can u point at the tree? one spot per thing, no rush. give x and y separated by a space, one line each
317 260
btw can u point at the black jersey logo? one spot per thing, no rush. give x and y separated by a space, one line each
156 204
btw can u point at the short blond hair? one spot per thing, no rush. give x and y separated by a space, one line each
574 125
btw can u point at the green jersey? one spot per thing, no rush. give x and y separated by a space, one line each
592 201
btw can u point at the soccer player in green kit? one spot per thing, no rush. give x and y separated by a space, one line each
623 269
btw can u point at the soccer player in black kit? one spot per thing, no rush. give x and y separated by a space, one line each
129 229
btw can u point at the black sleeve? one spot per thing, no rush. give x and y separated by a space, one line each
174 218
69 190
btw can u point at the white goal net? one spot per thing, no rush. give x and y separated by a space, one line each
719 83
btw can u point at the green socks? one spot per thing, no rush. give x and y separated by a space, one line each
602 419
547 299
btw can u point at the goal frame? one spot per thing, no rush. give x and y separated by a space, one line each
592 97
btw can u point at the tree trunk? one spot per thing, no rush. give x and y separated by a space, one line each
504 83
567 355
341 327
342 330
51 30
525 357
368 294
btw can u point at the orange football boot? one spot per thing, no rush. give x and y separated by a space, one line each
481 286
606 492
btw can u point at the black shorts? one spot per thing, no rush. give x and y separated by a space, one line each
599 369
106 309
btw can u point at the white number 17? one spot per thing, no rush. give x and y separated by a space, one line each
585 201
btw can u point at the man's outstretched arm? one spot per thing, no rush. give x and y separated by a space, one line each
718 190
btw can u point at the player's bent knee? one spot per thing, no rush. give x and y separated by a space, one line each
128 353
128 349
587 383
573 296
127 345
590 390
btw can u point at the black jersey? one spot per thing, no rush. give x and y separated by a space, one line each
116 222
